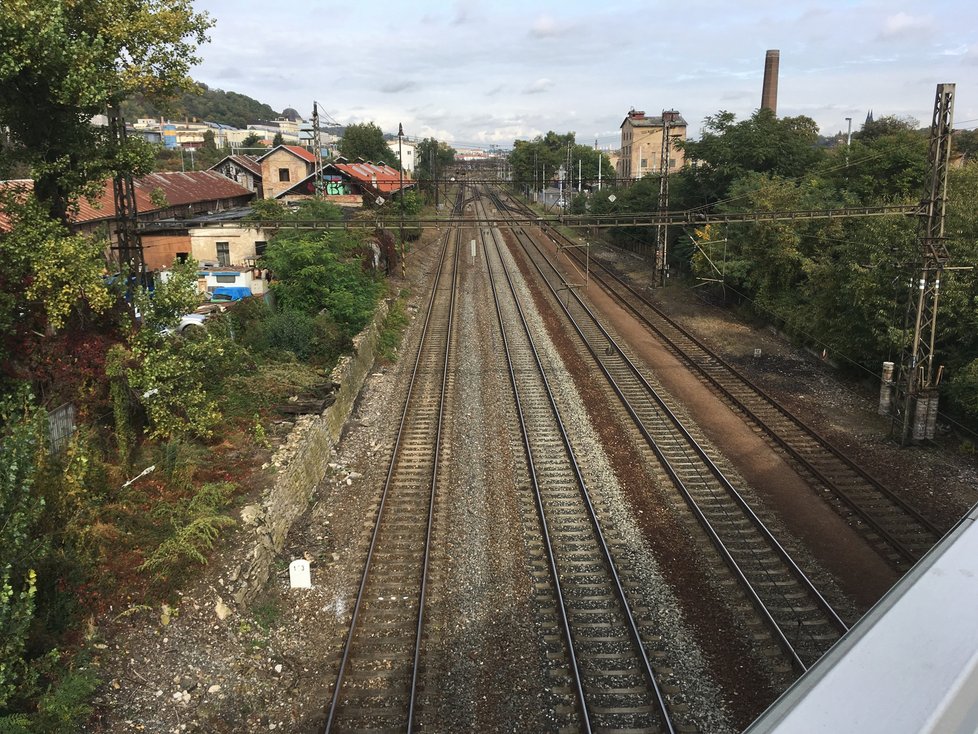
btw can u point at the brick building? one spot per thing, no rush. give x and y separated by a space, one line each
641 143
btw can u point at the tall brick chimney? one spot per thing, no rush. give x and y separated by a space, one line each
769 92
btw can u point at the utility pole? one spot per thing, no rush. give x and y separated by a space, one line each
918 377
534 172
848 139
317 143
434 174
600 156
579 175
400 192
659 263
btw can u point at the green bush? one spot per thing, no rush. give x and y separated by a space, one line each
322 272
20 510
306 336
196 524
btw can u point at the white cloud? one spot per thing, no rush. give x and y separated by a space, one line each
546 27
902 24
471 71
539 86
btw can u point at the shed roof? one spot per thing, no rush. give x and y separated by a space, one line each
245 161
179 187
381 177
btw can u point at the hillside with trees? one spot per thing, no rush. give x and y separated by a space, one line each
202 103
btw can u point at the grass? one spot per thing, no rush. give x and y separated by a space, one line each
392 331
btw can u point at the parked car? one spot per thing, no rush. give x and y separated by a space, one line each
191 321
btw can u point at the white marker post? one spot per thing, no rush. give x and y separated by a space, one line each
299 575
472 247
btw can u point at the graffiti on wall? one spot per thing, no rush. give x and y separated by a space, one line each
336 187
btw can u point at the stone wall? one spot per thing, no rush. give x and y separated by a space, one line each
301 463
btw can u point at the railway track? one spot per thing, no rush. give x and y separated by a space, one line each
377 679
898 532
614 679
801 621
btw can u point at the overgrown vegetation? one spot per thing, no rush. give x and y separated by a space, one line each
167 429
390 335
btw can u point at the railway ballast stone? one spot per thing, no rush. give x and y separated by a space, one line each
301 462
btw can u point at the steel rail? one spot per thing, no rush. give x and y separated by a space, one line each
434 483
551 557
344 660
731 490
585 495
897 545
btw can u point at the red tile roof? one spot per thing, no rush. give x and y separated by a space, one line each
295 150
179 187
21 185
382 178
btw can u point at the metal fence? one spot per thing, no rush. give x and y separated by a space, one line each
61 424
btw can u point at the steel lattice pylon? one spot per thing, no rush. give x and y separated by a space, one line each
129 244
919 376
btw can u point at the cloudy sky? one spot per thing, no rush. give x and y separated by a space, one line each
482 72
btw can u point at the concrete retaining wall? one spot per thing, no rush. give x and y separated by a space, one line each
301 463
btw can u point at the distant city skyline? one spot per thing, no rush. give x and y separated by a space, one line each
484 73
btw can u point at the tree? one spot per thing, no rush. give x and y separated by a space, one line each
278 140
434 162
434 159
887 162
322 272
966 142
48 274
208 154
107 50
251 141
763 143
366 141
535 162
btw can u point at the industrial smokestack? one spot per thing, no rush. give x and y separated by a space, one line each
769 93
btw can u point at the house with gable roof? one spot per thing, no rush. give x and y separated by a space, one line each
243 169
282 168
349 184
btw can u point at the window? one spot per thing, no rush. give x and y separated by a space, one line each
283 174
182 257
260 246
644 163
223 253
226 278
